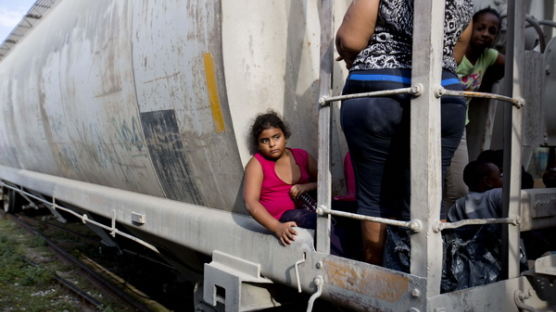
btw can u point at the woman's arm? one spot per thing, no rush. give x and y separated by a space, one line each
356 30
463 42
251 194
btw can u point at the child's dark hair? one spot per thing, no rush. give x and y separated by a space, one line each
265 121
474 172
487 10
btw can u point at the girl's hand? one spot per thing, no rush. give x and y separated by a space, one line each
297 190
286 232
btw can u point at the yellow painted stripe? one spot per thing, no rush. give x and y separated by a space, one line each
212 89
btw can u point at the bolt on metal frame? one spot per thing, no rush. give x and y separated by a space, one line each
426 184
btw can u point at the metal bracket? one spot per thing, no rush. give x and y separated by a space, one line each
52 209
319 283
224 277
30 204
297 271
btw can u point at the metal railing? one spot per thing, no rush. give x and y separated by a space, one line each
83 217
416 225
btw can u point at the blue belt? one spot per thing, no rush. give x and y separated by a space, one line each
394 78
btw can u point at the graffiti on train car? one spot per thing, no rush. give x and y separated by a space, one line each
168 155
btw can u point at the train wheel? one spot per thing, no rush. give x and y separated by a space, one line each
12 201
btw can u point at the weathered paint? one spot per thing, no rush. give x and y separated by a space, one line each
168 155
212 89
390 287
76 108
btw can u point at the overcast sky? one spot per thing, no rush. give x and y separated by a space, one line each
11 12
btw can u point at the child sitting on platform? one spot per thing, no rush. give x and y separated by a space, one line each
484 199
275 177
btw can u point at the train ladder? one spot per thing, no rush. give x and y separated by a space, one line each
425 141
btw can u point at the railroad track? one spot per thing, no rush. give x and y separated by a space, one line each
92 271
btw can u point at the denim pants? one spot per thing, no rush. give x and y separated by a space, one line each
377 133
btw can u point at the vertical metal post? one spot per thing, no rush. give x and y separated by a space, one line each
324 177
548 15
426 185
513 132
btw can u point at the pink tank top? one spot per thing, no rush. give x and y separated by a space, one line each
275 193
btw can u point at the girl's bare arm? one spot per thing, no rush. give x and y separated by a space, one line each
299 189
251 194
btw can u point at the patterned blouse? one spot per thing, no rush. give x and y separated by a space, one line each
391 44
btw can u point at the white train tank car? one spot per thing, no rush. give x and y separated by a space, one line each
138 112
157 98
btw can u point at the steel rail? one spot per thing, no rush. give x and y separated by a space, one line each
413 225
95 277
454 225
78 291
93 241
71 287
83 217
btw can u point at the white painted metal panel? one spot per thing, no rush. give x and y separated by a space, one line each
120 96
81 82
271 60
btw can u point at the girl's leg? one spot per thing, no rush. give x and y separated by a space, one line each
303 218
308 220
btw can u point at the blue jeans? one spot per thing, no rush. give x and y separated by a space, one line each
377 133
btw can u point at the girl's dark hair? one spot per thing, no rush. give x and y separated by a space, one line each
266 121
487 10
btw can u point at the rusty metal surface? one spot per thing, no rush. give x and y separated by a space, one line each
379 284
371 288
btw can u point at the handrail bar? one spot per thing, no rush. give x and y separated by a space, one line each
413 225
417 89
454 225
84 217
517 102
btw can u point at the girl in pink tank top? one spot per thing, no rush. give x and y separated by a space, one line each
275 176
